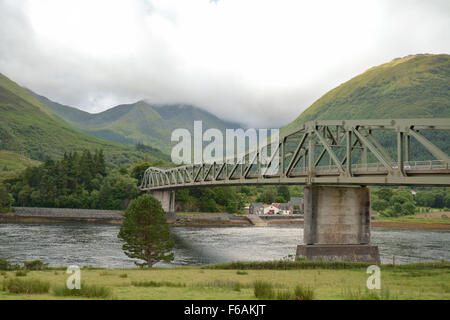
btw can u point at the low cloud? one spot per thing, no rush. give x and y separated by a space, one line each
256 62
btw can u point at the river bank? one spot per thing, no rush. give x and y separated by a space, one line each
58 215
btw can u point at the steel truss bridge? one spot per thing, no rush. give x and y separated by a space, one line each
350 152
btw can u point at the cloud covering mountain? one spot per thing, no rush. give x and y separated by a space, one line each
257 62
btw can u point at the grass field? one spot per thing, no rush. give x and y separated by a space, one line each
415 219
419 281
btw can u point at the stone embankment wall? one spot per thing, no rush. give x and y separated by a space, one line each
66 214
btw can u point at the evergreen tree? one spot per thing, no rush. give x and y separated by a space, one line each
284 193
145 232
6 200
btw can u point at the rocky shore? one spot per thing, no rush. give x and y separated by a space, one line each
57 215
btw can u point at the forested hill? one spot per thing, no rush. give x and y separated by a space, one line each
29 128
416 86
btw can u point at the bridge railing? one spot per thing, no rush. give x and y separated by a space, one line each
431 165
378 167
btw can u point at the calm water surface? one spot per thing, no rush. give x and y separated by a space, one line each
97 244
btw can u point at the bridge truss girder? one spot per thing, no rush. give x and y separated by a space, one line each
325 153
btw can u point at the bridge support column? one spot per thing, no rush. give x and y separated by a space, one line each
337 225
167 199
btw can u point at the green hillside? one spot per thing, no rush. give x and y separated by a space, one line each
11 163
415 86
138 122
29 128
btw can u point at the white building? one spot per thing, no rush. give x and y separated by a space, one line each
271 209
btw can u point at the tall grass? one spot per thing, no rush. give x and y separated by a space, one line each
28 286
300 264
156 284
263 290
288 265
358 294
303 293
284 295
224 284
87 291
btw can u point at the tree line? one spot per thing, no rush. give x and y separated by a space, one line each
400 202
76 181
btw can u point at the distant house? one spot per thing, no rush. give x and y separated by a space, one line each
271 208
256 208
283 208
293 206
296 206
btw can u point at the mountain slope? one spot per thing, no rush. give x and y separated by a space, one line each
411 87
138 122
28 127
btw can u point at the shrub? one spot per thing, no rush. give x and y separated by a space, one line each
303 293
87 291
21 273
29 286
4 265
263 290
241 273
123 275
35 265
15 266
6 199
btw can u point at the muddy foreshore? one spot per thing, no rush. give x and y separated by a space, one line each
55 215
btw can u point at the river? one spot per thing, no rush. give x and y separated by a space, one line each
97 244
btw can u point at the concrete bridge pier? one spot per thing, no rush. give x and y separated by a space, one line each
167 199
337 225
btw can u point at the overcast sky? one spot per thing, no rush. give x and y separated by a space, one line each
257 62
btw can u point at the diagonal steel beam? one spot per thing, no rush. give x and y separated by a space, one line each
372 148
220 171
273 156
435 151
198 172
205 175
247 170
297 150
382 150
329 150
